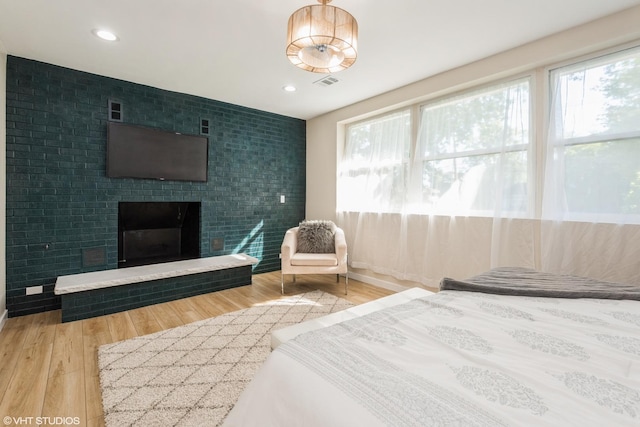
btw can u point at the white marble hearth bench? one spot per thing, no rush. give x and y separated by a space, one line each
94 284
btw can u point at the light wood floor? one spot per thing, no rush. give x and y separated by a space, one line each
49 368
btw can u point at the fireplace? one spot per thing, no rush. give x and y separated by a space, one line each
154 232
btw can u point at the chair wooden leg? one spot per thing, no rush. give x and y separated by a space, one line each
282 283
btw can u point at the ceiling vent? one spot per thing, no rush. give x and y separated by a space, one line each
326 81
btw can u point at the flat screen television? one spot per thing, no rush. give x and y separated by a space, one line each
141 152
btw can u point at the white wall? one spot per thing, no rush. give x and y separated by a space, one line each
3 184
324 141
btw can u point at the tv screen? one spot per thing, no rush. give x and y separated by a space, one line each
140 152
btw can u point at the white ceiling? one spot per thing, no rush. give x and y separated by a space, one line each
234 50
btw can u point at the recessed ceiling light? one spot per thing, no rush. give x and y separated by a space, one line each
289 88
105 35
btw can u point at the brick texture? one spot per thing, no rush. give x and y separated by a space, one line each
83 305
59 200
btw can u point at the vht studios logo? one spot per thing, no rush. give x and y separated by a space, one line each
41 421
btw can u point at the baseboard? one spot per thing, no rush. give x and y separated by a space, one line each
3 319
377 282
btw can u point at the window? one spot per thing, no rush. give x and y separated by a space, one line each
593 162
471 156
473 152
374 171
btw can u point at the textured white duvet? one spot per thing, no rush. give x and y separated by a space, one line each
457 358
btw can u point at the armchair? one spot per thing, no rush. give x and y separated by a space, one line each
298 258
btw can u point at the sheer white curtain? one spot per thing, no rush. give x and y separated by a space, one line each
591 203
457 196
374 168
457 207
473 153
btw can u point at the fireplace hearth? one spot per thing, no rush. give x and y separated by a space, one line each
154 232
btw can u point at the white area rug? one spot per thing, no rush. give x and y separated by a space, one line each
192 375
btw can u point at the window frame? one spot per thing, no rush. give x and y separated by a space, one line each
404 164
528 148
550 144
415 161
539 147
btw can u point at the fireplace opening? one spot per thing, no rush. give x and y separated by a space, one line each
154 232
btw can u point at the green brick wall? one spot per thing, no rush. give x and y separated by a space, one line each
59 200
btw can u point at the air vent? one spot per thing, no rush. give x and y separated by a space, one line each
326 81
92 257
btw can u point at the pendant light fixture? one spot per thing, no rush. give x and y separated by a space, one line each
322 38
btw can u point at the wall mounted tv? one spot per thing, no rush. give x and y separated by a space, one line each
140 152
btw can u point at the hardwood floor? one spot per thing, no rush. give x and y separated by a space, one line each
50 369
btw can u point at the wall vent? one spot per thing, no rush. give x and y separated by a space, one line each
92 257
217 244
326 81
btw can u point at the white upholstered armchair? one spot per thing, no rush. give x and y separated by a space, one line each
306 249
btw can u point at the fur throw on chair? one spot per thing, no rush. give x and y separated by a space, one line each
317 237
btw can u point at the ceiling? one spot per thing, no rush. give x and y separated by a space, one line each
234 50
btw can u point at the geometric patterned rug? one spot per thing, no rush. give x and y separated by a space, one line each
192 375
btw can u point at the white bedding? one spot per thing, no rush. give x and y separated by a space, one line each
457 358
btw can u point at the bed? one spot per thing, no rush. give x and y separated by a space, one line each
509 347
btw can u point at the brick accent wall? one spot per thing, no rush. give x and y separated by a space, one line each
60 202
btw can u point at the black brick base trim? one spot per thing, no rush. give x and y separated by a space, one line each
98 302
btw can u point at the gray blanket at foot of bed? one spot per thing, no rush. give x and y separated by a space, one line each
528 282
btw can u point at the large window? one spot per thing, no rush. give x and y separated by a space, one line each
473 152
593 167
470 156
373 174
